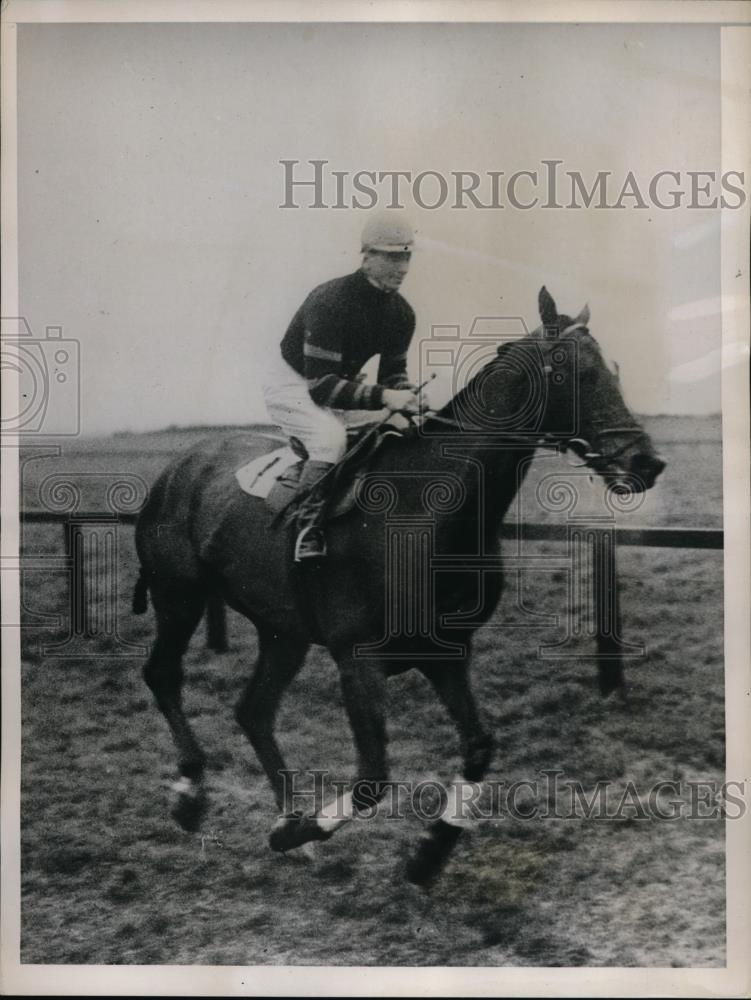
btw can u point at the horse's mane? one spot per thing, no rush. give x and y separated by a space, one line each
457 404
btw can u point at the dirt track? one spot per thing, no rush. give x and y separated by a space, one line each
108 878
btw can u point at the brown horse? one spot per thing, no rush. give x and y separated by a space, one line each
397 589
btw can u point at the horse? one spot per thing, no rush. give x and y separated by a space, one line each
199 536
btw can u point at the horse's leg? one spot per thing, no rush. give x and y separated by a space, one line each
178 611
279 659
364 689
451 683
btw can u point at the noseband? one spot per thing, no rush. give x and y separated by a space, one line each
600 460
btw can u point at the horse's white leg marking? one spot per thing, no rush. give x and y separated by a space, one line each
460 797
185 786
336 813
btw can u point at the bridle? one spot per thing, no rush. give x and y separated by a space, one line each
600 461
597 460
590 457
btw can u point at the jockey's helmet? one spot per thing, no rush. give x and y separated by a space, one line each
389 233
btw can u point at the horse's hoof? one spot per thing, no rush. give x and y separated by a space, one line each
432 853
190 804
294 830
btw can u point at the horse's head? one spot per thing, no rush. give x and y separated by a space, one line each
553 387
585 395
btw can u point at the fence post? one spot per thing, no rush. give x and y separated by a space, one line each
607 609
594 606
73 541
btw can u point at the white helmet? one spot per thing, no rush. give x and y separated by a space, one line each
388 232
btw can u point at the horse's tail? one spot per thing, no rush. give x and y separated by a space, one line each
141 594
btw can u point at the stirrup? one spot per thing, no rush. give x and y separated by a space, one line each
305 538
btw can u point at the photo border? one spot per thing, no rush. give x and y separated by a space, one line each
734 979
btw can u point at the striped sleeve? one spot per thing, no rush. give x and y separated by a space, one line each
325 383
392 372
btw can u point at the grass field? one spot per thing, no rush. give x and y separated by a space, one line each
108 878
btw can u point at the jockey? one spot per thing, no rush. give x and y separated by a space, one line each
313 388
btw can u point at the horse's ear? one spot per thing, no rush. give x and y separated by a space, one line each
548 311
583 316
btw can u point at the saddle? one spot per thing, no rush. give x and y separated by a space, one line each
275 477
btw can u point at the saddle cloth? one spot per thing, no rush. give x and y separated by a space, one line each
259 476
274 477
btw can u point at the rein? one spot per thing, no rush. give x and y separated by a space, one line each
580 446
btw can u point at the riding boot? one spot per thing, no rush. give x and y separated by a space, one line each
311 542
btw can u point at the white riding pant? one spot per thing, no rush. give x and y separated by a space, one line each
323 431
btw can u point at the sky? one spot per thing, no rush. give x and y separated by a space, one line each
150 183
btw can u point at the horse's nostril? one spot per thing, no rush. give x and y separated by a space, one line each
647 467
